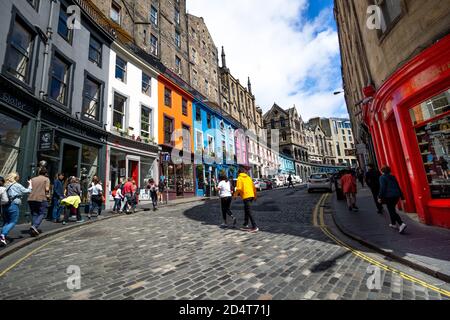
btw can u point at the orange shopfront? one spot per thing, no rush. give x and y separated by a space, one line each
409 120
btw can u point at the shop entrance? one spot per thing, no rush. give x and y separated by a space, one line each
71 157
133 170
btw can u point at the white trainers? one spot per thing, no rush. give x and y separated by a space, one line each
3 240
393 226
402 228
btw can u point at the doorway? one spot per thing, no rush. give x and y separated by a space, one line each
133 169
70 160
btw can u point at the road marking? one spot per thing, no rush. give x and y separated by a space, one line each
15 264
318 210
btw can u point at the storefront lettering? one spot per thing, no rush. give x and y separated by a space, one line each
13 101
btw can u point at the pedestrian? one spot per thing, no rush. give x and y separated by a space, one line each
161 189
96 192
135 196
245 188
390 194
373 182
290 182
225 195
348 182
72 200
117 195
14 192
38 200
128 194
58 195
4 201
360 176
153 188
444 167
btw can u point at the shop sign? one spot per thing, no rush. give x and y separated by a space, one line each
15 102
46 140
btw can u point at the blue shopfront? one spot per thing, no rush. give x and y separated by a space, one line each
287 165
214 148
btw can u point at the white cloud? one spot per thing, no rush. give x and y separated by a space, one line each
282 51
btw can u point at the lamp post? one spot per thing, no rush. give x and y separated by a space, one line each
338 92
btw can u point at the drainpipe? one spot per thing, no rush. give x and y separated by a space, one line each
46 39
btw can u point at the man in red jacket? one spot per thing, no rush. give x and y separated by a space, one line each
348 182
127 192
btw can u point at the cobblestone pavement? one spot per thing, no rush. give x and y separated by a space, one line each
180 253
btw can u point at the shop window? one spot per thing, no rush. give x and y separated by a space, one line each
95 51
146 122
434 142
177 16
91 99
19 55
146 84
146 170
10 132
117 167
119 109
168 97
121 69
210 145
178 64
168 129
59 79
431 108
63 29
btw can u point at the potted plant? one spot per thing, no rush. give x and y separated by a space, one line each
118 126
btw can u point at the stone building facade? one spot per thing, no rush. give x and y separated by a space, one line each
203 60
158 27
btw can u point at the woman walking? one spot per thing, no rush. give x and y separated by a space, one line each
224 189
153 193
72 200
348 182
96 192
14 191
390 194
117 195
161 189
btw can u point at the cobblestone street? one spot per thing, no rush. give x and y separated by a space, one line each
181 253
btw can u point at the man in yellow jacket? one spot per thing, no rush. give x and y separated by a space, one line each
245 188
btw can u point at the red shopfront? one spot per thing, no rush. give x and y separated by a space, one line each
409 120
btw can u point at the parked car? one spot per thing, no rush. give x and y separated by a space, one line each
319 181
277 182
260 184
269 184
297 180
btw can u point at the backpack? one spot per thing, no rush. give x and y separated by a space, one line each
10 199
114 192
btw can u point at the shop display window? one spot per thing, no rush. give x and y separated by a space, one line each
434 142
10 131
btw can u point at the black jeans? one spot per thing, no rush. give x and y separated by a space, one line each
248 214
391 203
154 197
226 205
375 193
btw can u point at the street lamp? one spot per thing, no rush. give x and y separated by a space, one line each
338 92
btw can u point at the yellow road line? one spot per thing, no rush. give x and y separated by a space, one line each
375 262
316 210
15 264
